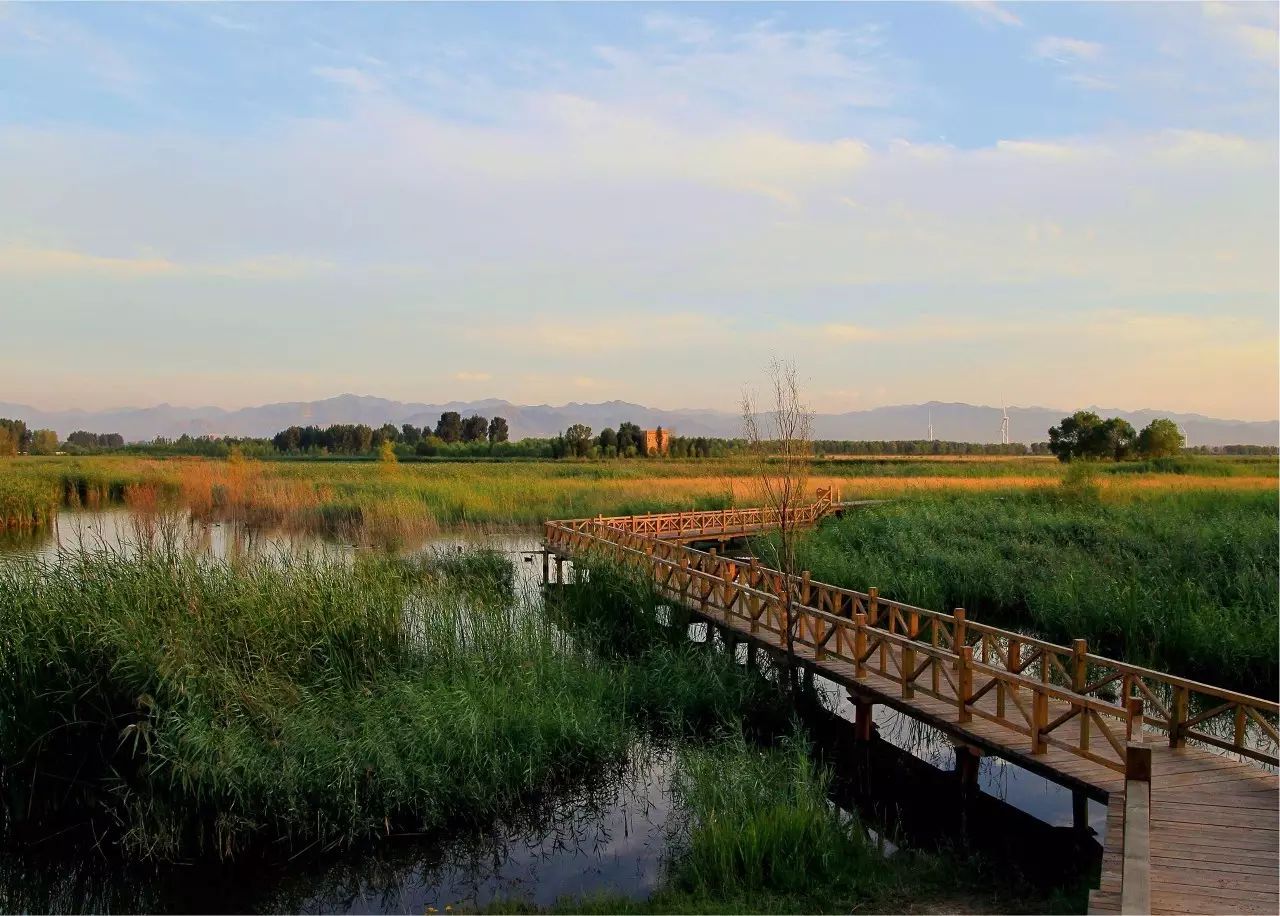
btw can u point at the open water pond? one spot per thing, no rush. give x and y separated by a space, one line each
609 834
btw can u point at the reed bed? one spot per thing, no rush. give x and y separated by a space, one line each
383 504
168 704
195 704
27 504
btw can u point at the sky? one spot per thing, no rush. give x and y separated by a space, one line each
1054 204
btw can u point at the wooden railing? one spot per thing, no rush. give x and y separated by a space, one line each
713 522
1037 686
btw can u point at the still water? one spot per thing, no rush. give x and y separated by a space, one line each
608 835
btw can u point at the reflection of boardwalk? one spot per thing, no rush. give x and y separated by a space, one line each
1189 829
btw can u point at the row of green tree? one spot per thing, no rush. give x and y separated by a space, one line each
361 439
925 447
16 438
1086 436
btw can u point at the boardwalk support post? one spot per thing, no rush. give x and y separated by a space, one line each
1079 810
967 759
863 718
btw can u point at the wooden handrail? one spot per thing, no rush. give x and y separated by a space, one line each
738 581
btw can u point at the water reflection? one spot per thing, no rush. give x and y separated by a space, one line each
608 835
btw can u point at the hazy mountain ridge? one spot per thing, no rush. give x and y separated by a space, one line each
953 421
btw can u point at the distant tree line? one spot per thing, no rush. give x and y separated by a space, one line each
1083 435
16 438
1233 450
922 447
1086 436
360 439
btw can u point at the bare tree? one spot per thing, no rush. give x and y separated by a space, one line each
781 442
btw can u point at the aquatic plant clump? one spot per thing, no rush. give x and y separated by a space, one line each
202 704
184 703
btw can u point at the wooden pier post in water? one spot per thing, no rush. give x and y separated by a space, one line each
863 718
1079 810
968 758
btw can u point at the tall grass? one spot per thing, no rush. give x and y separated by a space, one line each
211 704
761 824
27 503
1183 581
191 703
364 500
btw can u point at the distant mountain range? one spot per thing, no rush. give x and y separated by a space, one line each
957 422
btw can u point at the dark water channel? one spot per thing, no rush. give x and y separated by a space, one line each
607 835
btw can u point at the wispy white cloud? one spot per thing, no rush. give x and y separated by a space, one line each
1253 28
33 31
703 186
352 78
26 260
1066 50
992 13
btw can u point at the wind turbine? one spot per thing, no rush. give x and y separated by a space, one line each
931 426
1004 425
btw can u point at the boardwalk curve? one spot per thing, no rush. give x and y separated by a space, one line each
1191 827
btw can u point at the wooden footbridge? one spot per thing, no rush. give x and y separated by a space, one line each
1187 769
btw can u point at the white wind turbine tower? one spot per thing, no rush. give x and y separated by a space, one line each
1004 424
931 426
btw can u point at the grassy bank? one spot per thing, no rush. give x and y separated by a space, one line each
1183 581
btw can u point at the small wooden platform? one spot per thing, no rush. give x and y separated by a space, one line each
1212 845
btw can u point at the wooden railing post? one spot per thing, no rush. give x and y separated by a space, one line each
964 683
1134 720
1039 721
909 655
859 645
873 605
804 588
958 632
1135 868
1080 680
1178 715
934 672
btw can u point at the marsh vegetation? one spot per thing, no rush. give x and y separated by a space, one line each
162 704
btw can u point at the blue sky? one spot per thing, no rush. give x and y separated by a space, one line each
237 203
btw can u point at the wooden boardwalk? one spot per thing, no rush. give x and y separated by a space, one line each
1191 828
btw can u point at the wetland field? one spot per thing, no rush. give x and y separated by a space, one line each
339 687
